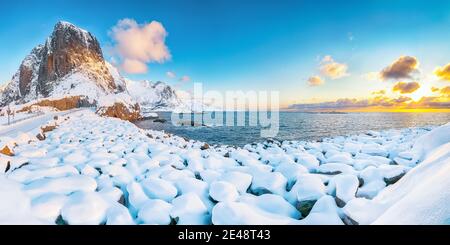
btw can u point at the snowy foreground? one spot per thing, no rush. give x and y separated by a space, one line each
95 170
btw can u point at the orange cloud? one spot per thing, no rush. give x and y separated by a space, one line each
401 68
445 91
332 69
406 88
139 44
347 103
315 81
379 92
443 72
378 103
431 102
434 89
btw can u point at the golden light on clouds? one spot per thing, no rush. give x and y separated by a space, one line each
421 92
315 81
379 92
445 91
405 95
443 72
403 67
406 87
333 69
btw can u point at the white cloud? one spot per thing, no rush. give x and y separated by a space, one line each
139 44
327 58
134 66
171 74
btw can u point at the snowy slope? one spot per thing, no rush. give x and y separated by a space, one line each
422 195
158 96
427 186
120 174
153 96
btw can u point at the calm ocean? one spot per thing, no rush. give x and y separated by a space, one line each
297 126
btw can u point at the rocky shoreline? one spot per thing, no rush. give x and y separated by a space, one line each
120 174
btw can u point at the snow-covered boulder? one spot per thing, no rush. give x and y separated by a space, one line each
268 182
15 207
344 187
155 212
324 212
236 213
156 188
271 203
190 209
240 180
85 208
222 191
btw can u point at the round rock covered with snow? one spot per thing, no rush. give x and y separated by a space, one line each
85 208
155 212
222 191
159 189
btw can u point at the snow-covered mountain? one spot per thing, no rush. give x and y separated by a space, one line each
153 96
71 63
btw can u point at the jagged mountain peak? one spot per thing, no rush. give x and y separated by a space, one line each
62 24
69 32
70 49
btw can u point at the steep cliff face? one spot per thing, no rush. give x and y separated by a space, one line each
70 49
24 82
68 52
28 71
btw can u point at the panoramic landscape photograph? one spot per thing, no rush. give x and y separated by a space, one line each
196 112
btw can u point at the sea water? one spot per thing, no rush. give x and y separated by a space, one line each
293 125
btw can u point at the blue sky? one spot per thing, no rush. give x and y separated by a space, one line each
262 45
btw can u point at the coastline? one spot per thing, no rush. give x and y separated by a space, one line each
122 174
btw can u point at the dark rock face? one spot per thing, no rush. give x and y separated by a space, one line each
305 206
28 70
339 202
25 77
67 49
394 179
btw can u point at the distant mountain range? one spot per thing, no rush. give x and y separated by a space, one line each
71 63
